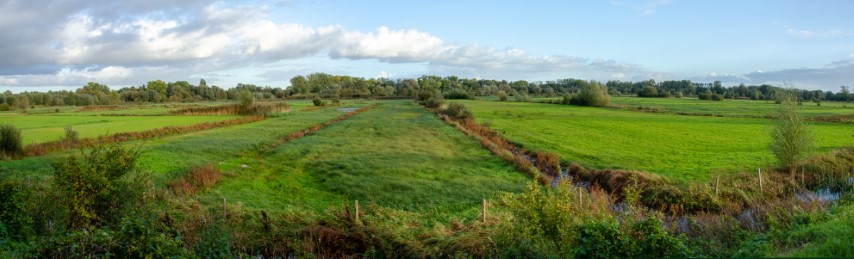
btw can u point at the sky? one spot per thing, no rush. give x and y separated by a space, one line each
48 45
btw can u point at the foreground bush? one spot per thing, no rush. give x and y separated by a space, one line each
99 186
10 140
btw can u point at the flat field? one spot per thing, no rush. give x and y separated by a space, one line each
679 146
43 127
396 155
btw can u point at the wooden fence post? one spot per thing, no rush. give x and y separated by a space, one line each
357 210
759 175
580 198
224 209
484 210
717 179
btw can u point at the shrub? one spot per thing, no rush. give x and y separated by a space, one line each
10 140
458 94
435 101
522 97
4 107
318 102
502 96
246 99
71 135
792 141
567 99
99 187
458 111
592 94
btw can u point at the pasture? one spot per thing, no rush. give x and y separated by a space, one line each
678 146
396 155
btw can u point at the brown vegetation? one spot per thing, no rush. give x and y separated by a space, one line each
232 109
199 178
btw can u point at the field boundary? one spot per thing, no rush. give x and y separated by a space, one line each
60 145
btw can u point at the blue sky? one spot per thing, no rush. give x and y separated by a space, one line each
810 43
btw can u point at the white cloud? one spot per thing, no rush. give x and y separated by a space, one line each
645 7
803 33
217 38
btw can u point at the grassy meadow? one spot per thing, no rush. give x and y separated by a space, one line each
678 146
420 183
396 155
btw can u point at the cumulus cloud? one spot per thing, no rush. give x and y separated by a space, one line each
129 42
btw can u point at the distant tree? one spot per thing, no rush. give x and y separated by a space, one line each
792 140
158 86
648 91
246 98
592 94
23 102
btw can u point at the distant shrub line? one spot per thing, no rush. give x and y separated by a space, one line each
59 145
234 109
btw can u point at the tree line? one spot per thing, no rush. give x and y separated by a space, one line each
337 86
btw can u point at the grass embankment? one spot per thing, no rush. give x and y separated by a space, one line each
396 155
681 147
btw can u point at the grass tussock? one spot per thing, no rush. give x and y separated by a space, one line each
200 178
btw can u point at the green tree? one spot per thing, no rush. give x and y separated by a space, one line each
792 140
158 86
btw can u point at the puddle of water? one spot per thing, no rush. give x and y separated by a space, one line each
347 109
824 195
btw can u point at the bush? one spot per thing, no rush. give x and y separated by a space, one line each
792 141
10 140
434 101
592 94
502 96
246 99
522 97
459 94
458 111
4 107
71 135
99 187
318 102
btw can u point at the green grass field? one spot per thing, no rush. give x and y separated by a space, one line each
396 155
729 108
678 146
43 128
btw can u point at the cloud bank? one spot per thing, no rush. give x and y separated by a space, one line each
130 42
